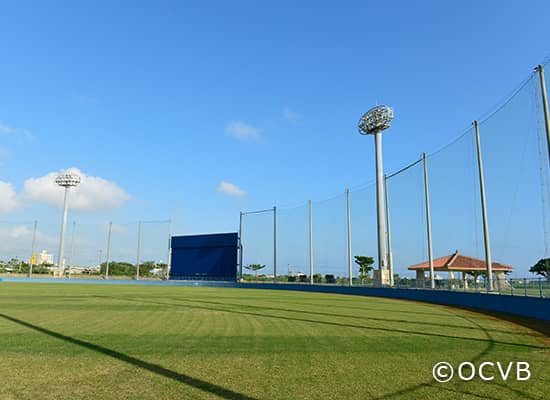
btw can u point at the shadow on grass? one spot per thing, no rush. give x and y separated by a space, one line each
154 368
325 314
333 303
329 323
443 387
488 340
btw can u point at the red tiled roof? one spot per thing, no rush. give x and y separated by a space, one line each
459 262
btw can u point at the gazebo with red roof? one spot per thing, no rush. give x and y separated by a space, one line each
457 262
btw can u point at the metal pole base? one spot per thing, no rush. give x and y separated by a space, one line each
381 277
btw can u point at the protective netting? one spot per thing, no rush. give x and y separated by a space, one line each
516 176
257 242
293 240
517 186
154 241
330 237
455 204
364 239
123 244
16 240
85 242
407 218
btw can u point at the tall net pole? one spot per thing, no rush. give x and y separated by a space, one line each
33 258
275 244
169 250
540 70
348 229
138 250
428 222
488 261
388 231
310 243
240 246
108 251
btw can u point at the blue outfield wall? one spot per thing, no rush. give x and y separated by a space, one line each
211 257
532 307
123 282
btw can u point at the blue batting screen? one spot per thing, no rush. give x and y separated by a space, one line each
204 257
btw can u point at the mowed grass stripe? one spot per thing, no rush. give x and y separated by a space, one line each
218 343
341 321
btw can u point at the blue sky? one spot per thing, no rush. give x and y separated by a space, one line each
168 100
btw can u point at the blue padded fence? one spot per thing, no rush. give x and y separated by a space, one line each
532 307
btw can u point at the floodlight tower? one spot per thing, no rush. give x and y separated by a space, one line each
66 180
373 122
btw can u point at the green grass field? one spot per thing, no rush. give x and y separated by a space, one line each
77 341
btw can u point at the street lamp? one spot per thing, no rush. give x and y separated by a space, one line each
65 180
373 122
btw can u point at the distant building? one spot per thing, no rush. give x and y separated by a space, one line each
45 258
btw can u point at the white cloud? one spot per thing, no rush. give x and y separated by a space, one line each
9 130
4 154
290 115
115 228
231 189
6 129
92 194
16 240
242 130
8 198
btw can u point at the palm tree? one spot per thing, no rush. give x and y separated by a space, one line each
254 267
365 266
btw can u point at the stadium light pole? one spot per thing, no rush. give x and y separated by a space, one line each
66 180
373 122
540 70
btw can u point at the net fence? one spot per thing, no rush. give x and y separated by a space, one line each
87 244
257 243
513 162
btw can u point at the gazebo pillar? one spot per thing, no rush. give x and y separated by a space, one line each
464 280
420 278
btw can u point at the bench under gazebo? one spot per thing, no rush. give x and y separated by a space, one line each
457 262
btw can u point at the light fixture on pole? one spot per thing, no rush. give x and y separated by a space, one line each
66 180
373 122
